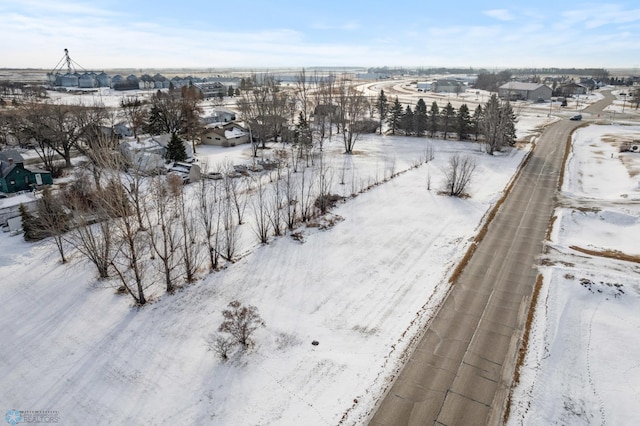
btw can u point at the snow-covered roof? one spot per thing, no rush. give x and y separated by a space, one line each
234 132
517 85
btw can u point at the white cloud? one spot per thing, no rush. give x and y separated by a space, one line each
346 26
500 14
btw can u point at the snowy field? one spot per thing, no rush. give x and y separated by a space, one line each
582 366
362 288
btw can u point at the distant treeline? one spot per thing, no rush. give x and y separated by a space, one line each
597 73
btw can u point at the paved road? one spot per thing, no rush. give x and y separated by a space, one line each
461 371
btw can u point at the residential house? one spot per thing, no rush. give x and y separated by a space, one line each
515 90
14 176
219 115
572 89
211 89
148 154
447 86
590 83
229 134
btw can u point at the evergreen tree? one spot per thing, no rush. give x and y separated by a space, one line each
407 121
395 115
155 125
498 125
463 122
382 108
476 120
302 133
230 91
175 149
509 126
433 119
420 118
448 113
29 225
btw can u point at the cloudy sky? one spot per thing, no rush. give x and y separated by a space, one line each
102 34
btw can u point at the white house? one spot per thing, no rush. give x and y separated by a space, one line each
515 90
448 86
219 115
148 154
229 134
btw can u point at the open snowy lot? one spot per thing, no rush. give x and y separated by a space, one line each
362 288
582 366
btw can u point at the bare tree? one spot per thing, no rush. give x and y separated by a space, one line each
458 175
229 238
92 234
325 181
259 204
276 203
61 127
130 236
241 322
209 213
133 110
164 235
235 191
190 248
306 187
264 108
53 220
290 198
352 107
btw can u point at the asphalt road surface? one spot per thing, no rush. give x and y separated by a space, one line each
461 371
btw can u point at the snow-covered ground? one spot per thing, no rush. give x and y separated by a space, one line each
361 288
582 366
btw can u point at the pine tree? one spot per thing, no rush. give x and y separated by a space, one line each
434 115
382 108
498 125
29 225
420 118
463 122
302 132
448 113
175 149
509 124
395 115
476 120
407 121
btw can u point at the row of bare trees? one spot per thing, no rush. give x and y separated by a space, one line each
305 114
57 131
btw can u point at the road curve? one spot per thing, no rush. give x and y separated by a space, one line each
461 371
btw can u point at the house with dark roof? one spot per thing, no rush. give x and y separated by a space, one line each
572 89
14 176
